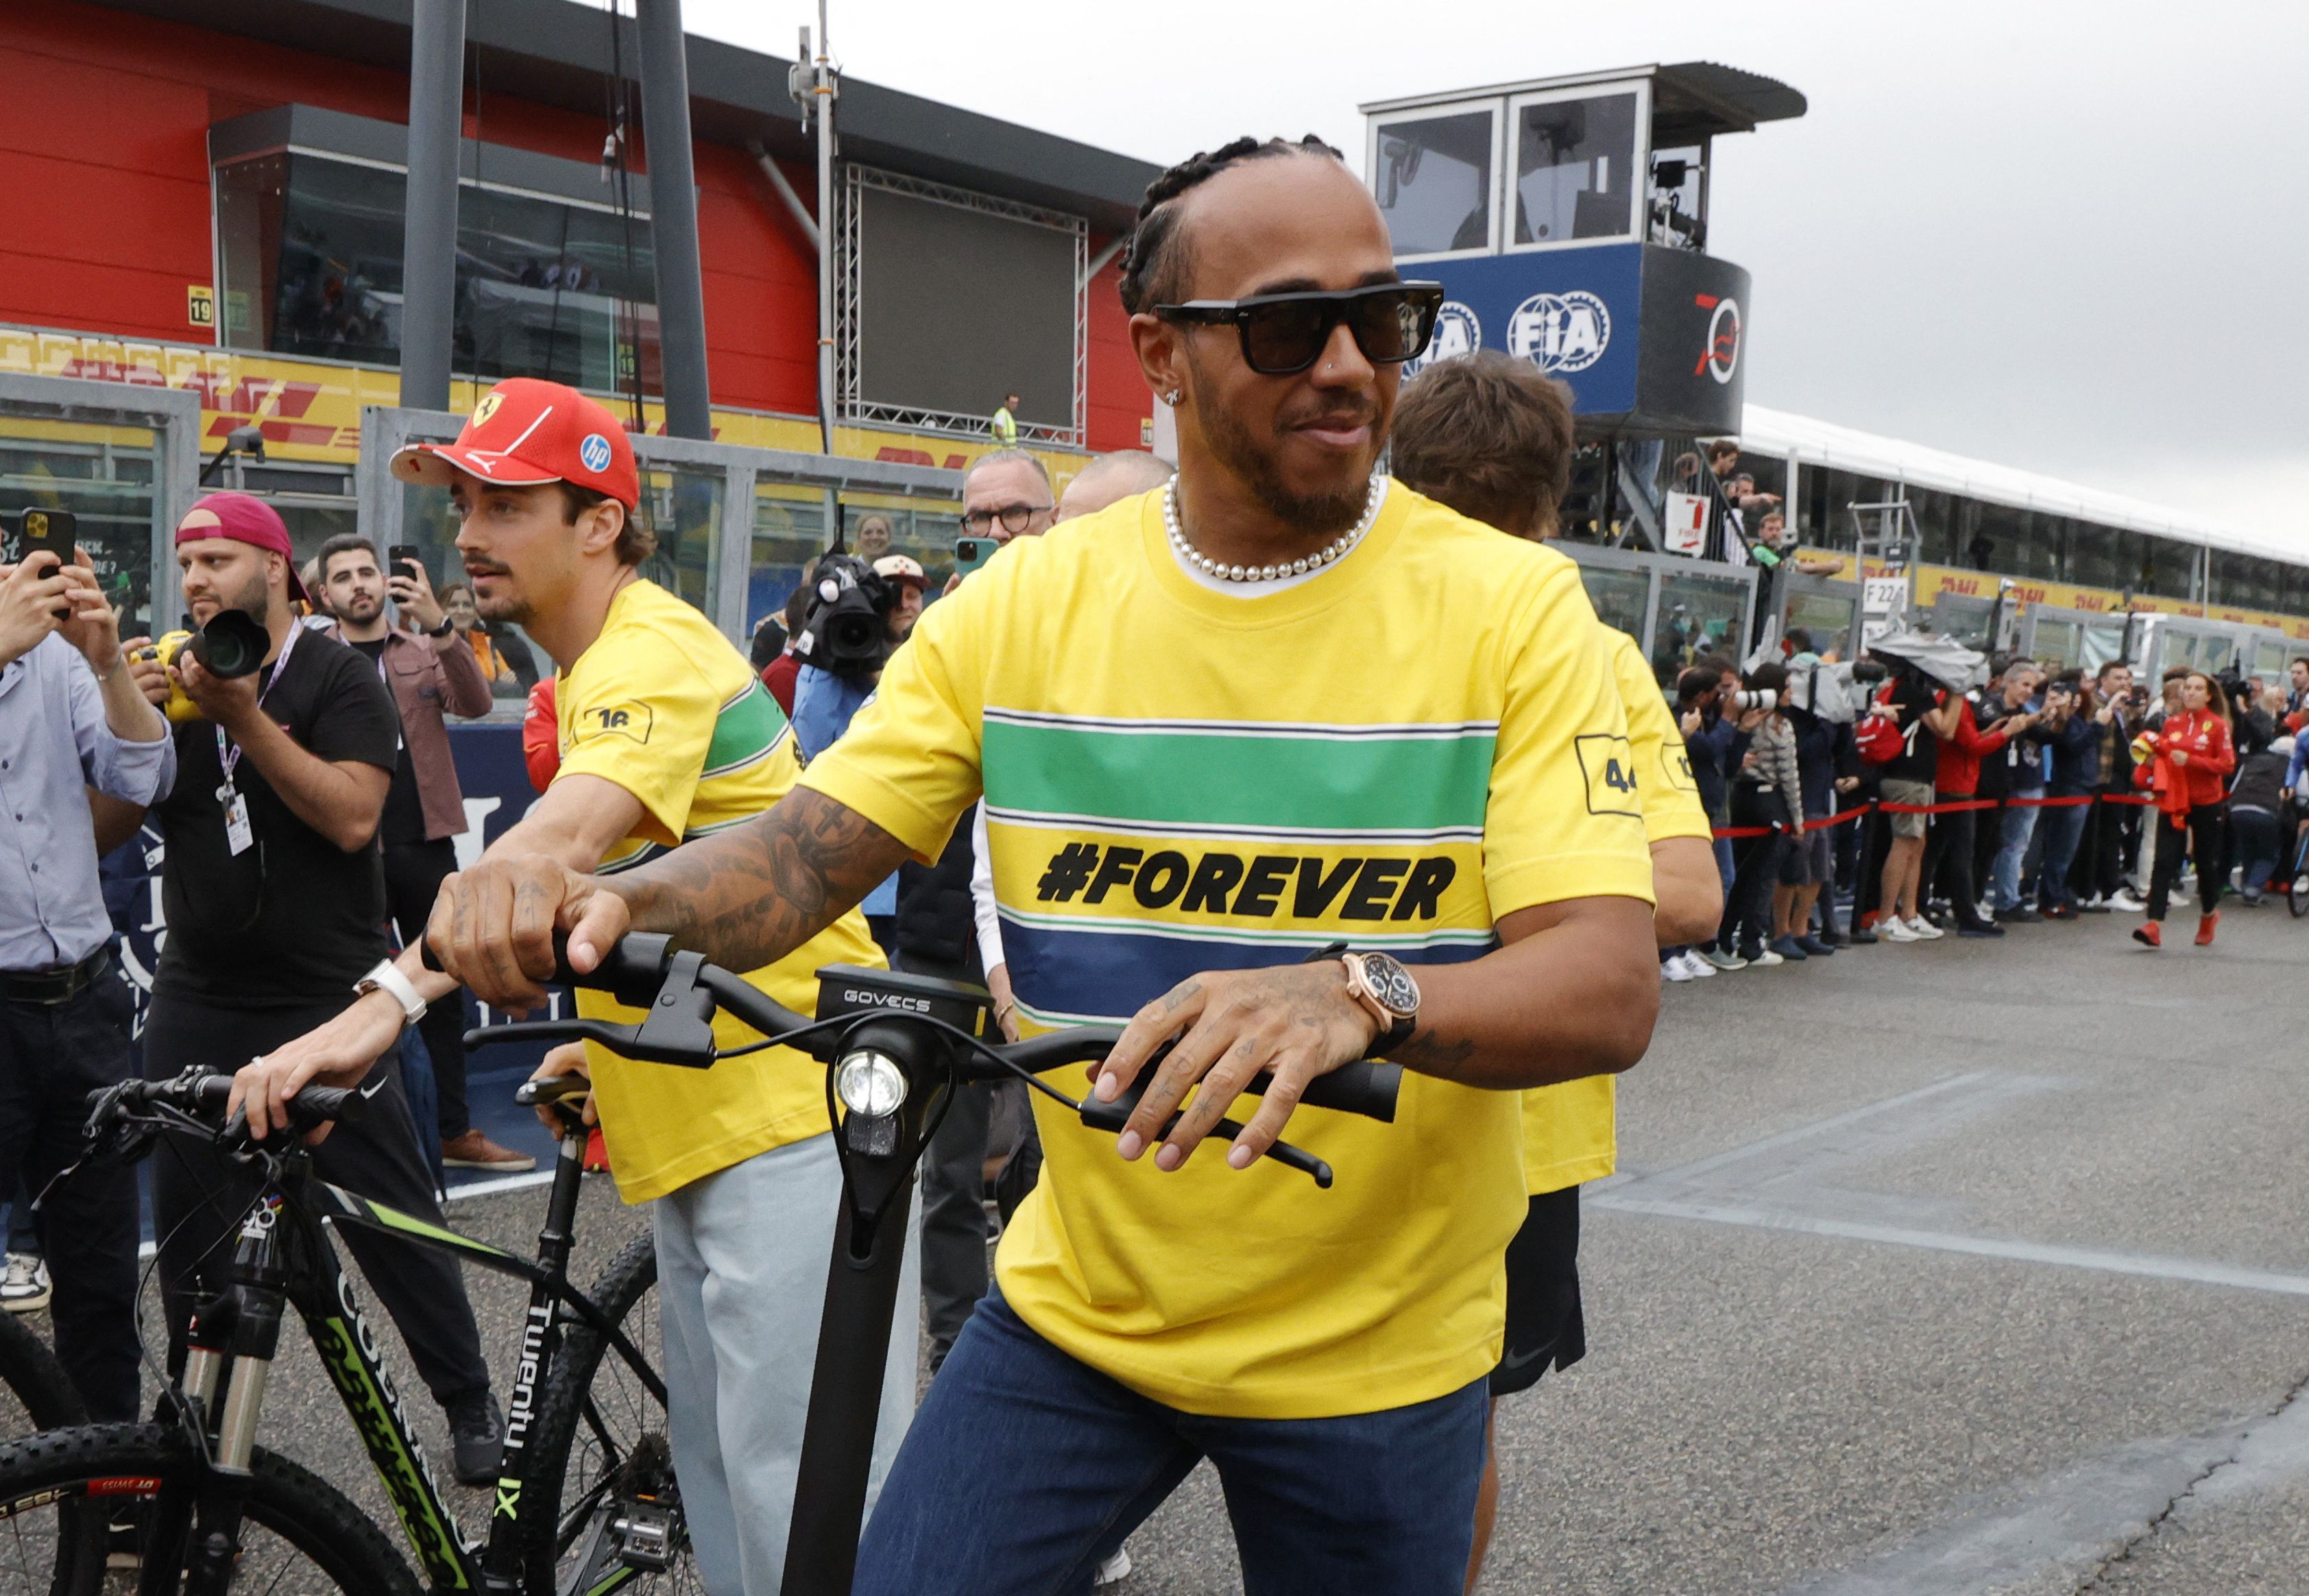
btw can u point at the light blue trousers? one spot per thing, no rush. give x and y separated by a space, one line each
741 1263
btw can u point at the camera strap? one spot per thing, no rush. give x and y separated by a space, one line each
239 835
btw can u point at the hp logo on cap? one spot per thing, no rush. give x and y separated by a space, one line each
594 451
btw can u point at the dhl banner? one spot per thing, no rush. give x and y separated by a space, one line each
1932 581
311 409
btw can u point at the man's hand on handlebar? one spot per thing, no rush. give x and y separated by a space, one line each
340 1053
1297 1021
568 1059
492 926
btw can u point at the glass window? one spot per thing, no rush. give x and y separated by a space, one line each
1433 181
1828 617
2167 567
310 249
2057 643
2104 641
2268 659
1619 597
1938 516
2102 556
1962 618
1575 169
1697 614
683 506
104 476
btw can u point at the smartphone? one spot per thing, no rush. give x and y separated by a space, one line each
36 530
970 553
395 557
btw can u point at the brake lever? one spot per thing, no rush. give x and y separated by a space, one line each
1113 1116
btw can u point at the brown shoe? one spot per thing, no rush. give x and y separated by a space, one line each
475 1151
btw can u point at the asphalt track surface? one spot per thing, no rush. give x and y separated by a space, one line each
1958 1267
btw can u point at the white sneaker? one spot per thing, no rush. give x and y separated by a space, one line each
1765 959
1672 969
1926 930
2123 900
1114 1570
1698 968
1895 930
24 1287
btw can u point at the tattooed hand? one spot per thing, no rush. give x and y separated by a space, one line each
492 926
1294 1019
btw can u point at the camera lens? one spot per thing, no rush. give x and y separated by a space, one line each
232 644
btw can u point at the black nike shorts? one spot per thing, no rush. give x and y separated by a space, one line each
1546 1327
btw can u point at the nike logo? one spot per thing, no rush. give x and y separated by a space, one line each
1513 1364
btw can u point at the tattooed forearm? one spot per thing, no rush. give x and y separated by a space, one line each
750 896
1428 1053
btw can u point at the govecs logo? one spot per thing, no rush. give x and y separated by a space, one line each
1720 357
1560 332
1456 332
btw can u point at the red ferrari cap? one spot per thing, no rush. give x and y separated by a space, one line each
244 519
525 432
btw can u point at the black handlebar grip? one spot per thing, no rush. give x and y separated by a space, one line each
1366 1086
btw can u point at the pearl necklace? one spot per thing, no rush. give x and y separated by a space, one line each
1373 498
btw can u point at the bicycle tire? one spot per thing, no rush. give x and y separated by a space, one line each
38 1382
564 1546
2297 891
298 1517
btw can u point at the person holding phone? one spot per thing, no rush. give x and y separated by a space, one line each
72 719
431 673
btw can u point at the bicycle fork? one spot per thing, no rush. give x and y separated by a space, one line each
231 1343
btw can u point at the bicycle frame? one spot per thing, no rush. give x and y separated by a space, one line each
283 1254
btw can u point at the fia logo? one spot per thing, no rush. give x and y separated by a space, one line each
1456 332
594 451
1560 332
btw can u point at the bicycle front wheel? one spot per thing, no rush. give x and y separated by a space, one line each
102 1510
35 1393
598 1492
2296 892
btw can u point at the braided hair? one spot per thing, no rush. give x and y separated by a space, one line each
1154 258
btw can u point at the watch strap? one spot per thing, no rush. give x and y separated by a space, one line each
448 624
387 979
1394 1029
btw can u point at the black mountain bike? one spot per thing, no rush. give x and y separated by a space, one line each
585 1499
896 1048
2297 891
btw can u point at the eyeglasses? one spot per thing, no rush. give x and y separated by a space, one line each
1285 333
1015 518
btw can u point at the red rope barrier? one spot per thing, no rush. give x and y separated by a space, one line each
1956 806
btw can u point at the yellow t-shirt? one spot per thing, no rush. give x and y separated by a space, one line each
1570 1130
1393 754
663 706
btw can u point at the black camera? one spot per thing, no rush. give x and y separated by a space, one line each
846 629
1870 670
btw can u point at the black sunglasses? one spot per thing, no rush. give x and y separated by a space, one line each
1285 333
1015 518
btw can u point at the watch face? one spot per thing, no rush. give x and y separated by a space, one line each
1391 983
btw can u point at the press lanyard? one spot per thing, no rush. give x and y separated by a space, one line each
229 751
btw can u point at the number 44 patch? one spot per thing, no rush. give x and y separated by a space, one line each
1609 765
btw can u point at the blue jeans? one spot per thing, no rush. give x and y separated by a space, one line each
2011 848
2065 827
1025 1469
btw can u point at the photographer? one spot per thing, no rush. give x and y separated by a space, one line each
2113 835
1716 744
2020 780
862 612
72 718
1923 713
1769 792
275 897
2068 730
431 672
1950 844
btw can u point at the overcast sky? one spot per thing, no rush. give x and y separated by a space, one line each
2068 237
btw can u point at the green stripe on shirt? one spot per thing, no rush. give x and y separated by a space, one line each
746 729
1302 778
